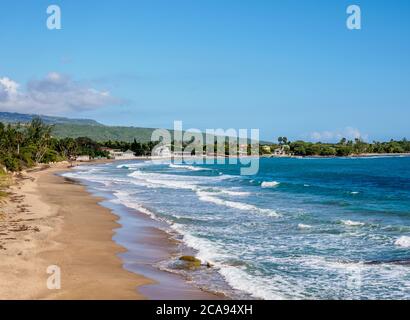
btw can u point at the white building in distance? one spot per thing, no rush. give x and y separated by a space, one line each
122 155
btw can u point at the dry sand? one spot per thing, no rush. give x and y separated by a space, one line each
47 221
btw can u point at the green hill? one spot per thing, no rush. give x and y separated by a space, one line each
103 133
74 128
14 117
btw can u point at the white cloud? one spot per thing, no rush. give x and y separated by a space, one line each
54 94
335 136
8 89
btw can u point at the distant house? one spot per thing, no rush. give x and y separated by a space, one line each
182 154
279 152
162 151
83 158
121 155
109 150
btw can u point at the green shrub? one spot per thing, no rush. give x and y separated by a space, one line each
11 163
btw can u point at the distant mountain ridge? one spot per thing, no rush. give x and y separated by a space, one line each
74 128
14 117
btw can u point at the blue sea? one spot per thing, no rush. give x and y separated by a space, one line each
311 228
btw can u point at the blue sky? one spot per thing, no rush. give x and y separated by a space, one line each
287 67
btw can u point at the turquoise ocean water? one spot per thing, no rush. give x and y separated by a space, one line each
300 229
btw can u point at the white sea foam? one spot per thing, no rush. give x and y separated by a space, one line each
172 184
269 184
261 288
187 167
403 241
124 199
206 249
233 193
92 178
346 271
354 192
142 174
161 180
133 165
304 226
208 197
238 279
352 223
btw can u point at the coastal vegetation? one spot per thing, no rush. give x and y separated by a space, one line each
343 148
4 184
25 145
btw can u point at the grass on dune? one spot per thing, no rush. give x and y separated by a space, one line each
5 182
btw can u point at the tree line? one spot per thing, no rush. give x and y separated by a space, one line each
343 148
25 145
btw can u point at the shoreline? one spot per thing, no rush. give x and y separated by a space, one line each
42 223
269 156
147 245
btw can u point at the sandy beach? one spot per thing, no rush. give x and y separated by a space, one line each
49 220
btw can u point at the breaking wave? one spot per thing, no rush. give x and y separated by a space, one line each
403 241
352 223
269 184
